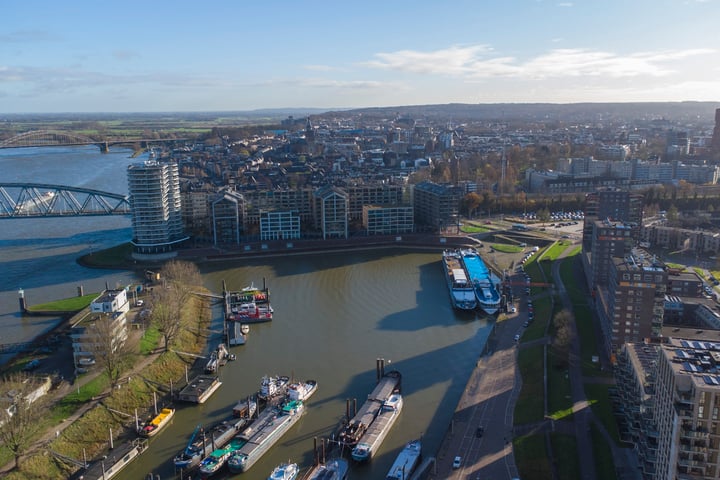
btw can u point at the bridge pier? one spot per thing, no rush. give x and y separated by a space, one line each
104 147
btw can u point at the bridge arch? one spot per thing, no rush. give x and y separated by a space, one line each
32 200
47 137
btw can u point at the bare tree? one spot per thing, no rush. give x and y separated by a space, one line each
166 314
109 346
20 412
180 279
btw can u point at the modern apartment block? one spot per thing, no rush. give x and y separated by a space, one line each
331 212
631 308
228 212
634 403
611 204
610 239
388 220
687 409
696 241
154 189
279 225
436 206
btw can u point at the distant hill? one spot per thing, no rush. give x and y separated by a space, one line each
697 112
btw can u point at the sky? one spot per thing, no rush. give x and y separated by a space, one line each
236 55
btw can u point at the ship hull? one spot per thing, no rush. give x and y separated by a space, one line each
266 432
488 298
462 294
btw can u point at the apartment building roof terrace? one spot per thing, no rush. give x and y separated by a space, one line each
698 359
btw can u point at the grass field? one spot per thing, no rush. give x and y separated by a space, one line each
565 456
506 248
599 398
532 458
530 406
604 465
73 304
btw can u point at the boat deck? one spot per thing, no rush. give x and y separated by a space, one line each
115 460
385 387
264 432
378 429
200 388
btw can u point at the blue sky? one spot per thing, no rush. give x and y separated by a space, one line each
153 55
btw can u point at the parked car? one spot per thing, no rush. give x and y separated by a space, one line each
457 462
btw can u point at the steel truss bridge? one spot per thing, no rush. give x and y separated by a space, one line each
33 200
54 138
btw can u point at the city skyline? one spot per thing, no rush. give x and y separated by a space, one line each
223 56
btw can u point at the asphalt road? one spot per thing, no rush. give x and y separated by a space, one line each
487 402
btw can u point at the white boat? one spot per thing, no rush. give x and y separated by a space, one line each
373 437
301 390
406 461
481 278
285 471
245 328
335 469
462 292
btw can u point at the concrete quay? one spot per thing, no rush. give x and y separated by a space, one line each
487 404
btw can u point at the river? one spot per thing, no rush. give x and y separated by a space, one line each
334 315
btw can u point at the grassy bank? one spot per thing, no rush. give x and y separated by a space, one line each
73 304
88 434
113 257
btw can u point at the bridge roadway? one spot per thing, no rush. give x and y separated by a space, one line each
58 138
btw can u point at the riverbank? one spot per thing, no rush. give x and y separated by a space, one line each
120 256
76 428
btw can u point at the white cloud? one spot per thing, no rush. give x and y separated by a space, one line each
455 60
474 62
565 4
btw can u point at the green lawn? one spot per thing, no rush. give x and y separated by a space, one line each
604 466
507 248
583 317
565 456
559 393
531 457
530 406
599 399
72 304
473 229
542 307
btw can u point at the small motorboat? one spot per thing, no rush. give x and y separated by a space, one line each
285 471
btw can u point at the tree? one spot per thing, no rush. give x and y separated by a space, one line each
179 280
166 313
109 346
20 419
562 336
471 202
